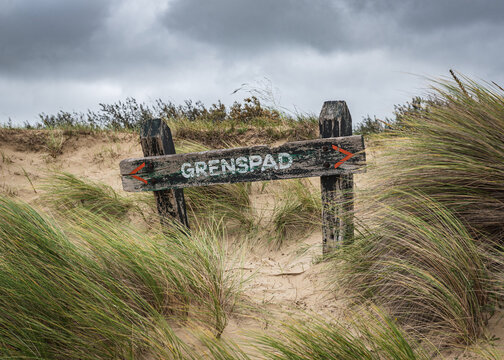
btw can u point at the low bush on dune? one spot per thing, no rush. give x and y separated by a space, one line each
216 125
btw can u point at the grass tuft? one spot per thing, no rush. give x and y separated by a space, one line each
54 142
180 275
453 151
56 302
430 250
297 210
371 336
64 191
424 266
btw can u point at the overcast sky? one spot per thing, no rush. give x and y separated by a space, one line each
74 54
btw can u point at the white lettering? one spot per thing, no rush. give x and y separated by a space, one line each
242 165
187 170
228 167
212 167
255 161
201 167
269 162
281 162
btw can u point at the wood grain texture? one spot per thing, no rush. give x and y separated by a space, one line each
310 158
337 190
156 139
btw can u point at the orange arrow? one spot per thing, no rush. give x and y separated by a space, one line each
347 153
136 170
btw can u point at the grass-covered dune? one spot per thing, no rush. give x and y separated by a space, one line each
430 244
86 271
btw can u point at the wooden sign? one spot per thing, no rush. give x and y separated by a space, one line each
335 157
319 157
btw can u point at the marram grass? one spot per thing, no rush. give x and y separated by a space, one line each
421 263
227 202
95 289
298 209
57 303
181 275
453 151
368 336
432 217
65 191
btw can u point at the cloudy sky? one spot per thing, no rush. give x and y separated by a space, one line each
74 54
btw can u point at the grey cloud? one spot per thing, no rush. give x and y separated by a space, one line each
325 25
34 33
429 15
250 25
434 14
71 54
86 40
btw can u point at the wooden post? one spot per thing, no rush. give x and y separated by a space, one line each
156 139
337 190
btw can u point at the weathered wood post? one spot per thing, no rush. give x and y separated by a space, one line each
335 156
156 139
337 190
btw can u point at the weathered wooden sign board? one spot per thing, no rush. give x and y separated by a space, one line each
331 156
334 158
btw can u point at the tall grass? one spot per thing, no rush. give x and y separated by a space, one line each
65 191
369 334
57 303
431 247
453 150
372 336
421 263
95 289
173 272
178 274
297 211
229 202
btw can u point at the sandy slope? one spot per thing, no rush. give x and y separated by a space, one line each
283 280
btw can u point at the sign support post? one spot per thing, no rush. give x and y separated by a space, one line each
156 139
334 157
337 190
